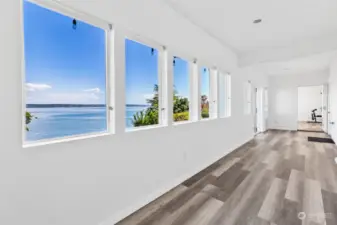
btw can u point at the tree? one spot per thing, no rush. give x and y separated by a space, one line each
150 115
29 118
154 101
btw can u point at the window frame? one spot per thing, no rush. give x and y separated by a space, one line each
161 76
108 28
225 80
228 81
214 93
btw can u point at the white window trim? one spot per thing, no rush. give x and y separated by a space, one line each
228 80
163 87
66 10
56 7
195 91
214 92
110 81
141 39
66 139
224 82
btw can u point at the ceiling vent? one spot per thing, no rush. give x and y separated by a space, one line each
257 21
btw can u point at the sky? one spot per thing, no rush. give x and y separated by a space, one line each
181 77
67 66
62 65
205 77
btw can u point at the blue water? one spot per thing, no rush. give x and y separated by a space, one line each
61 122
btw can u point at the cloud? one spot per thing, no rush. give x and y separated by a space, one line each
73 97
37 87
65 98
93 90
55 96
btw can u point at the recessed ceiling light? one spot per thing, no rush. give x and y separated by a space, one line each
257 21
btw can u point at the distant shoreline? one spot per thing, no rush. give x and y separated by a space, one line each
75 105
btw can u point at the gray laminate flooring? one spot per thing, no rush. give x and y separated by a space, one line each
279 178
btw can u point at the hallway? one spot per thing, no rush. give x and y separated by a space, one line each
269 180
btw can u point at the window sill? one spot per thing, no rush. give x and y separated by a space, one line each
134 129
183 122
65 139
207 119
224 117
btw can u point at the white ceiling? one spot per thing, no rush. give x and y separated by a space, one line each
284 21
303 65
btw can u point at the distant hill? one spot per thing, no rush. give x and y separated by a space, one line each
75 105
136 105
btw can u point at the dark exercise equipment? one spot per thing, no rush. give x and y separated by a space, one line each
314 116
322 140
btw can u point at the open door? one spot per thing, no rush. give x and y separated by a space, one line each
329 125
259 117
265 108
325 119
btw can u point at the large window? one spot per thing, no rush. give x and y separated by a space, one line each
142 86
225 100
205 92
65 75
181 90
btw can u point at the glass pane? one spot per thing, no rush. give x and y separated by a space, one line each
65 69
141 84
205 92
181 90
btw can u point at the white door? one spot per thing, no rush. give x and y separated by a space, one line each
259 118
329 111
265 109
325 120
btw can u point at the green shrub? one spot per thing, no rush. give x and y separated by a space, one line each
145 118
183 116
180 104
150 115
205 113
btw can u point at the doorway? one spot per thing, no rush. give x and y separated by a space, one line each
310 109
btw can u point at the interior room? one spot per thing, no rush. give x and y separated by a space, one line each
165 112
310 108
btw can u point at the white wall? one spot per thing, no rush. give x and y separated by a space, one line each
309 98
105 178
283 97
333 99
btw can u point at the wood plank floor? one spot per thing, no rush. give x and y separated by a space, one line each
272 180
309 126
